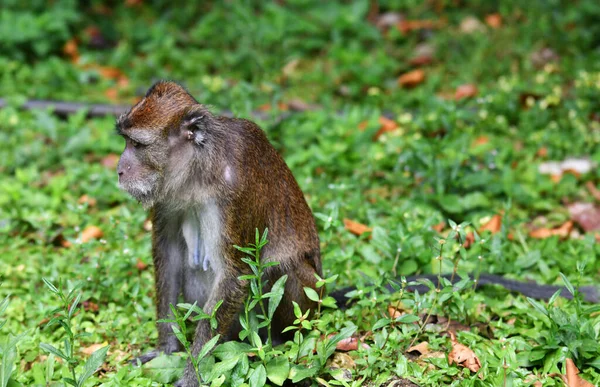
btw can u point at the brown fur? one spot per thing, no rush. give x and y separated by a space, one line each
192 161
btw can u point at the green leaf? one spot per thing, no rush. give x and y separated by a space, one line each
568 284
258 378
164 368
50 349
74 305
407 318
52 288
541 308
92 364
278 369
311 294
210 344
277 291
224 366
300 372
381 323
9 357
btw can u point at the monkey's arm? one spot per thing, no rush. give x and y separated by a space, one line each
168 258
533 290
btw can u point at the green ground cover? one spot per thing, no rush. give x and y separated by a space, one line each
530 77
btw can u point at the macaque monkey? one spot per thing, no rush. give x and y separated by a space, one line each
209 182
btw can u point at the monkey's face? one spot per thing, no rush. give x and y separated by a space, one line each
139 169
163 142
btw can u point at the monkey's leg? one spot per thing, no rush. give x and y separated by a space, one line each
168 258
233 293
300 277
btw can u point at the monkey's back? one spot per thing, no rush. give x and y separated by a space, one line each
268 196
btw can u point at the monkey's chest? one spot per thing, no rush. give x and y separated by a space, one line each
202 259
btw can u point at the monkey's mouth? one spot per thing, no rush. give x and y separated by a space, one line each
141 192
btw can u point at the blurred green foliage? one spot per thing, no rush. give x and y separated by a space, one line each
538 82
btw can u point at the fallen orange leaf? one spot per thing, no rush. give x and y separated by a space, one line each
356 228
91 232
542 152
439 227
494 20
85 199
463 355
141 265
387 125
481 140
112 94
406 26
412 78
350 344
562 231
465 91
573 379
70 49
595 192
494 225
422 348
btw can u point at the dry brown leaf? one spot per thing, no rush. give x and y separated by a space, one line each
406 26
412 78
468 90
92 348
70 49
387 125
463 355
586 215
91 232
110 72
573 379
469 240
342 360
90 306
542 152
422 55
356 228
494 20
110 161
85 199
595 192
112 94
481 140
350 344
494 225
421 60
422 348
439 227
562 231
141 265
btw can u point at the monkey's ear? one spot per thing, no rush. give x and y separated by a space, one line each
193 125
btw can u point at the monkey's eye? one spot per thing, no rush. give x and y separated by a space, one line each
135 144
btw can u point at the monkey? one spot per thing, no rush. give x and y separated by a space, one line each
209 182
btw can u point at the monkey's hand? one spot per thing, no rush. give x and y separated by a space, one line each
150 355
